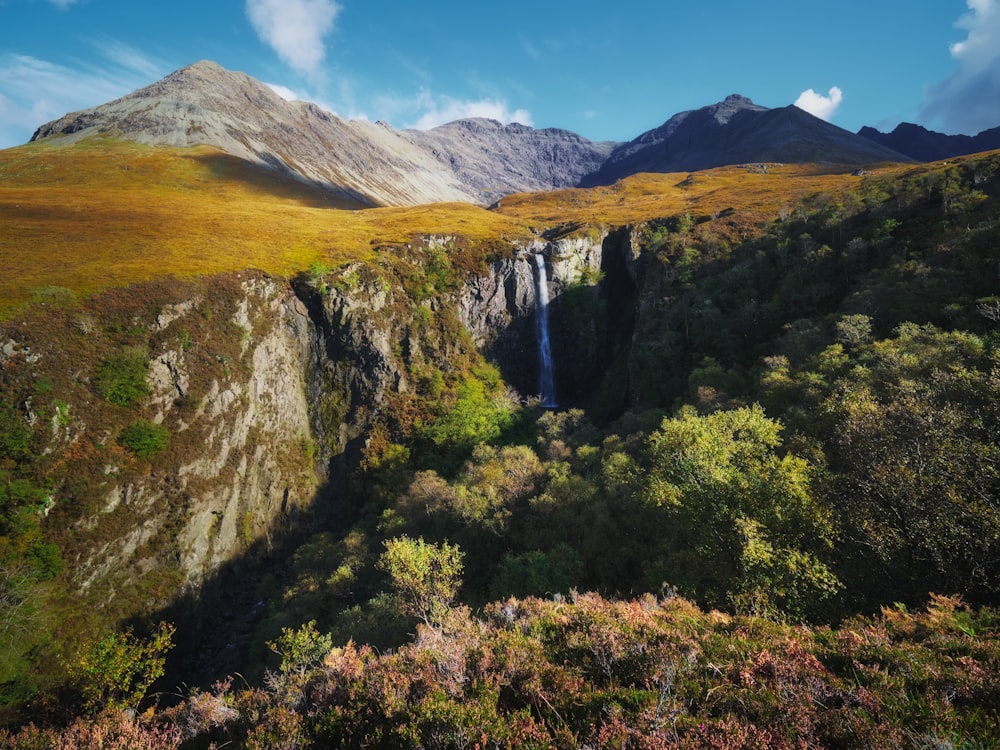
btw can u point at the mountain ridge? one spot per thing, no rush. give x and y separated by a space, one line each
472 160
737 131
922 144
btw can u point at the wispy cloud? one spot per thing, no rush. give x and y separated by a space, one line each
289 95
295 29
33 91
530 49
968 101
823 107
62 3
438 110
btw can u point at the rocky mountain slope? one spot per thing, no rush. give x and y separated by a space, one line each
474 160
368 163
737 131
927 145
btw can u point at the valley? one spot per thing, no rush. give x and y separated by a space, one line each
276 470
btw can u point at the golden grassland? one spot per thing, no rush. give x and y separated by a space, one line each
759 195
105 212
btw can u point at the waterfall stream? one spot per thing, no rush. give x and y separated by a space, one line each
546 373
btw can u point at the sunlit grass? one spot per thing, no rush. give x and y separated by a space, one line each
105 212
642 197
108 213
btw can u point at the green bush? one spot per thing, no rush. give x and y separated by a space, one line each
121 378
145 438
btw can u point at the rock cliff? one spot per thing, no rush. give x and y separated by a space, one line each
592 285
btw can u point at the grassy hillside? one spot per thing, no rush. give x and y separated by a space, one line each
757 193
803 450
105 213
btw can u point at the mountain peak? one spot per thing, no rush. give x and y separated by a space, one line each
922 144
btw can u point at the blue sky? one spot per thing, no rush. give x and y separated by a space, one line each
608 71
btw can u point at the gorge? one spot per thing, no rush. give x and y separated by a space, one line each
227 400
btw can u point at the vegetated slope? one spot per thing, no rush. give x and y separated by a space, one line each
737 131
922 144
654 673
103 212
369 163
799 419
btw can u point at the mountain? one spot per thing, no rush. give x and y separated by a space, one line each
494 160
473 160
737 131
927 145
369 163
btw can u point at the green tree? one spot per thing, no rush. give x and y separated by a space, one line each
301 651
740 524
117 670
425 576
915 465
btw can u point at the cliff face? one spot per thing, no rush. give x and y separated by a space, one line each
592 282
271 394
233 395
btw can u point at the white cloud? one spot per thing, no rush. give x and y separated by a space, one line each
968 101
438 110
284 92
34 91
295 29
64 4
823 107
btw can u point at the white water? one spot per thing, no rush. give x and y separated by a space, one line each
546 372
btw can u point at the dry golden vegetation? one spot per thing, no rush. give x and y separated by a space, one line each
106 213
759 192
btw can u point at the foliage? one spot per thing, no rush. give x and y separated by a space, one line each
117 670
742 524
478 413
425 576
145 438
586 671
121 378
113 729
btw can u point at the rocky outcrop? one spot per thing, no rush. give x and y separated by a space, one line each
248 469
493 160
592 284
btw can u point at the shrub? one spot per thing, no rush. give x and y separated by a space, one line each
121 378
425 576
145 438
116 671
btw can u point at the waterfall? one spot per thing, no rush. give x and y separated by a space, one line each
546 374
